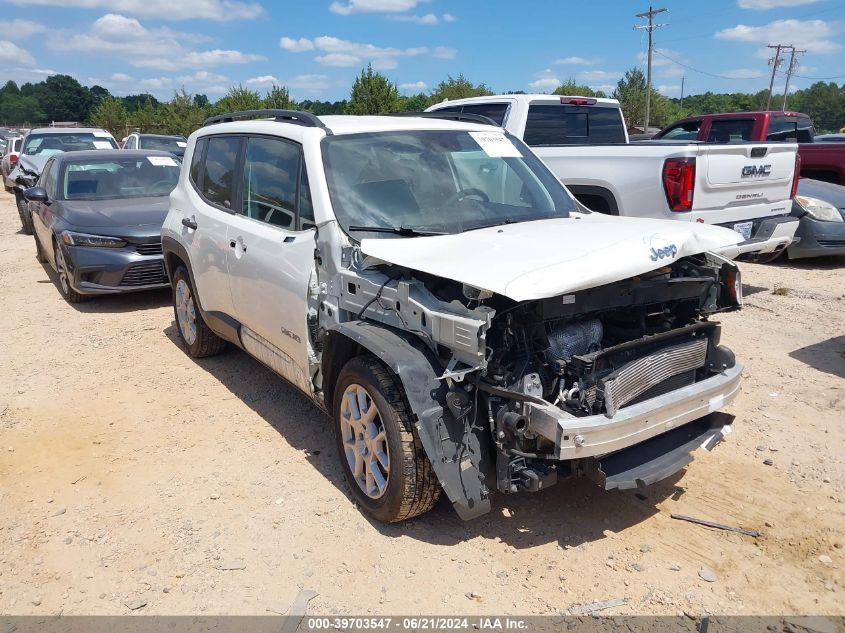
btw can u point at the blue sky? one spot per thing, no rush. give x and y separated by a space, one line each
317 47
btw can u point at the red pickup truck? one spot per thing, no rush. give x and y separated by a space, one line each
820 161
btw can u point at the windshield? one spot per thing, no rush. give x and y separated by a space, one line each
129 178
175 144
438 181
55 143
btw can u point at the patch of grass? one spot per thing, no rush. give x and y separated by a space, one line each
780 291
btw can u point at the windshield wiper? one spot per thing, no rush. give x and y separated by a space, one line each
501 222
404 231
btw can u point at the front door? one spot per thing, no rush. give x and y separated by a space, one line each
271 256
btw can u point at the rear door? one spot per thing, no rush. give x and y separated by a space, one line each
271 256
743 181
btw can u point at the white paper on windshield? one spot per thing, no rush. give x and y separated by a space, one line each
162 161
496 144
181 144
102 145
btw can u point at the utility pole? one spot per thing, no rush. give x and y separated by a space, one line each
774 62
650 28
793 66
682 92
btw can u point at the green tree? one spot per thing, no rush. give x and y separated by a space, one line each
201 101
17 109
372 93
63 98
458 88
239 98
630 92
111 115
181 115
414 103
147 117
278 98
571 88
98 93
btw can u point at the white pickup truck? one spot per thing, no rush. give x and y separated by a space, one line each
746 187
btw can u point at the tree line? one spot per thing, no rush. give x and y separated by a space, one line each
63 98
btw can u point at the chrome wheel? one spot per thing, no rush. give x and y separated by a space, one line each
186 313
61 270
364 441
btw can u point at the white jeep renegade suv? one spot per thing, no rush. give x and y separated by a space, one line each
467 325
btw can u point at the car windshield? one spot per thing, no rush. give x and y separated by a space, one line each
412 182
55 143
120 178
174 144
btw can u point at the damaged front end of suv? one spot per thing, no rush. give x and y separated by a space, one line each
574 344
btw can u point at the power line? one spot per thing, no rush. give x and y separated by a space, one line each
696 70
650 27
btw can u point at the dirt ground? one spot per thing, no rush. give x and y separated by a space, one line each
132 475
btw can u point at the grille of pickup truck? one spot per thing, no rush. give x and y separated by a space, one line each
639 376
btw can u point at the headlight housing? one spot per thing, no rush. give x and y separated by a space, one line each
819 209
72 238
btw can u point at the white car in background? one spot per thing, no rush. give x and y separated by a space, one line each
10 158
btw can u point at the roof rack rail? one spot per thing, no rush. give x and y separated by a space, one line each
451 116
282 116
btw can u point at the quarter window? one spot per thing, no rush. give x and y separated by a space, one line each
272 192
218 172
197 161
48 179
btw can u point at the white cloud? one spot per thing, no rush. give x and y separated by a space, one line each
599 75
812 35
444 52
345 54
743 73
417 86
22 29
296 46
217 10
428 18
545 81
772 4
263 80
121 77
373 6
576 61
311 84
14 54
669 91
159 48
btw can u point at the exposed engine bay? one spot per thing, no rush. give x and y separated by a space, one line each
522 373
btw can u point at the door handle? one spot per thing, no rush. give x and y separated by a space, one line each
188 222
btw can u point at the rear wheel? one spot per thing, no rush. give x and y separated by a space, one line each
199 339
23 212
385 464
70 295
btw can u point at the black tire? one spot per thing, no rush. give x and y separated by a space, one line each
412 487
65 289
23 212
205 342
768 258
39 252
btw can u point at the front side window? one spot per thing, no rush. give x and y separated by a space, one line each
218 173
730 130
48 144
683 132
271 174
148 176
437 181
561 124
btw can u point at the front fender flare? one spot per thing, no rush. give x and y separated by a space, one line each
455 452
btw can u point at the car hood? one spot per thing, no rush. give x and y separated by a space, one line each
116 212
33 163
546 258
827 191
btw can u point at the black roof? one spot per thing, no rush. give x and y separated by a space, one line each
106 154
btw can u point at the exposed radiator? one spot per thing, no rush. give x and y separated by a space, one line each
638 376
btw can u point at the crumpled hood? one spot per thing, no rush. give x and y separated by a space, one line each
122 212
546 258
33 163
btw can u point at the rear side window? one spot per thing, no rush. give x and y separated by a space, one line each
790 129
218 171
275 190
573 125
493 111
196 163
730 130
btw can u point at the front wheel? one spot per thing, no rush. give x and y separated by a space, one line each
26 218
199 339
383 459
70 295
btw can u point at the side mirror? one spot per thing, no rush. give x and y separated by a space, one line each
36 194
